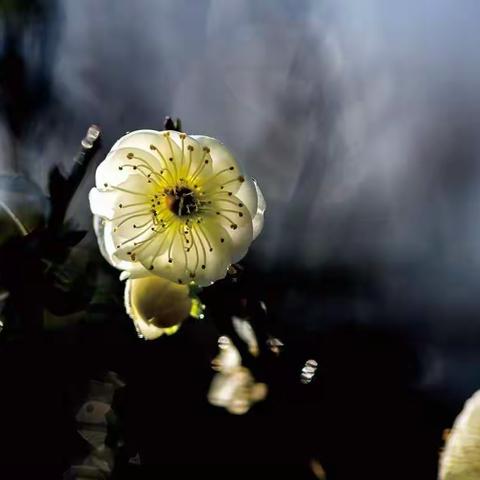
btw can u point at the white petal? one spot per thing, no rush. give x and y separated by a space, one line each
240 239
258 219
118 166
117 204
137 139
247 194
102 203
226 172
107 248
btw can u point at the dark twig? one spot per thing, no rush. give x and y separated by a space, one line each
62 189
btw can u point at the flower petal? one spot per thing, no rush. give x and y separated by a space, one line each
195 161
226 172
201 255
248 195
120 164
150 141
238 228
107 248
258 219
176 152
128 213
156 305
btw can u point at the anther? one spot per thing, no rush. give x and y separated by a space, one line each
130 155
190 148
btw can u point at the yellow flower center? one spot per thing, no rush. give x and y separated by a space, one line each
181 201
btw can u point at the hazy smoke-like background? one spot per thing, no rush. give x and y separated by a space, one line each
360 121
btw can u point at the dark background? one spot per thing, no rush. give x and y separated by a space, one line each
360 122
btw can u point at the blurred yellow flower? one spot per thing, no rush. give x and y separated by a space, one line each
460 459
174 205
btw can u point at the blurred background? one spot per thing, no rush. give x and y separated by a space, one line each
360 122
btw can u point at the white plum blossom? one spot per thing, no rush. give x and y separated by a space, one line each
174 205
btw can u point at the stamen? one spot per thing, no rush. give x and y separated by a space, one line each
232 202
120 189
143 225
130 217
156 149
170 259
196 255
121 205
190 150
155 255
217 193
202 246
217 174
203 162
140 159
182 137
233 225
184 250
210 248
134 237
139 167
172 158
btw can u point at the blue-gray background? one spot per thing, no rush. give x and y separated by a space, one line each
359 119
